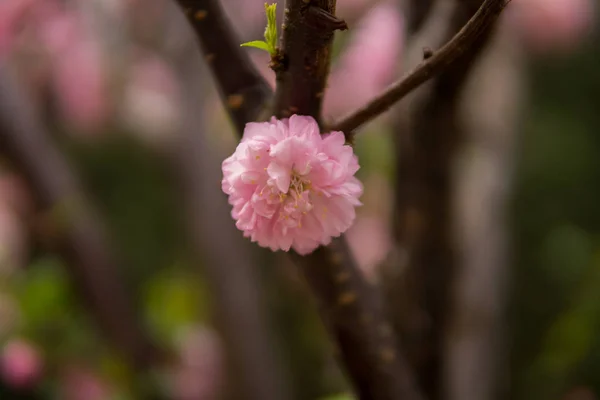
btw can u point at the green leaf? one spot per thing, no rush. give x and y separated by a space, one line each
271 30
259 44
270 42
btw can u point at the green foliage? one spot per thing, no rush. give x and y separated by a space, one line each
556 291
140 202
43 293
270 42
173 299
375 149
569 339
50 313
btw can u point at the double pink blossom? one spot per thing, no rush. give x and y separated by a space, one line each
289 186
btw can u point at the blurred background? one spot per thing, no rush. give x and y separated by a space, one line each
122 275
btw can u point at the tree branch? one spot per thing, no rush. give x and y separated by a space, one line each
431 134
231 273
475 352
307 36
458 45
243 90
80 236
227 258
354 314
351 309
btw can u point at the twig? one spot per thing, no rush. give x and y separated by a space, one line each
80 236
458 45
244 91
350 308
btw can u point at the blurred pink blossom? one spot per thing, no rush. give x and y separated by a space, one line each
57 28
370 236
350 10
78 69
370 241
149 24
248 16
20 364
12 15
369 62
200 374
80 86
552 25
51 30
80 383
151 100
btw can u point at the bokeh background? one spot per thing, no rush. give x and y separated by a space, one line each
118 84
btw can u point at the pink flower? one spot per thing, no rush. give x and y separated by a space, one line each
199 376
78 382
289 186
20 364
378 38
552 26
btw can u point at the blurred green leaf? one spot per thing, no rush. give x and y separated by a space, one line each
43 292
174 299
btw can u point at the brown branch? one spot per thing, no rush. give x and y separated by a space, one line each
227 259
232 274
217 249
475 352
354 314
244 91
78 232
431 134
350 308
307 36
441 59
416 12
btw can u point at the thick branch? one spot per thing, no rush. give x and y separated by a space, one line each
431 134
307 36
351 309
239 308
353 313
475 351
458 45
79 234
244 91
416 12
231 273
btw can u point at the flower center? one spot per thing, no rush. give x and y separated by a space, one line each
296 202
298 185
